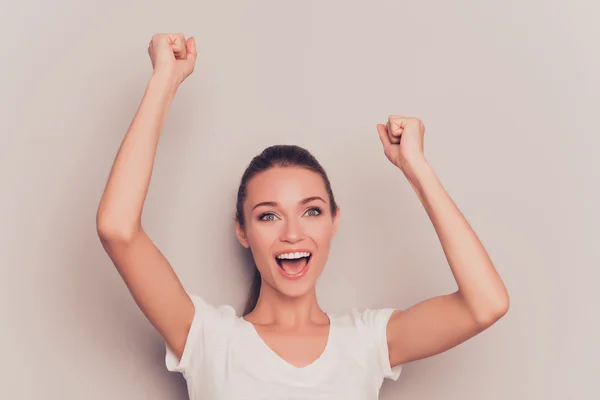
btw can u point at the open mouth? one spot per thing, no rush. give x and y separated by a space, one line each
293 265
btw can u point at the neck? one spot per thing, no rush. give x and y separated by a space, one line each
275 308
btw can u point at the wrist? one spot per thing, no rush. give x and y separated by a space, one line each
415 167
164 82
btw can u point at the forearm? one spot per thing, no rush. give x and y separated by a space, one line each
478 281
121 205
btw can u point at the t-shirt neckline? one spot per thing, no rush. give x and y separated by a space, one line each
284 362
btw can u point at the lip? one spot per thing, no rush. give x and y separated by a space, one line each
304 271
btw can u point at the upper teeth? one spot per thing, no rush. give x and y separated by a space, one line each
292 256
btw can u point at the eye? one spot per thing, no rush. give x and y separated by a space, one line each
314 211
267 216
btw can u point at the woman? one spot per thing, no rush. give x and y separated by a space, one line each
285 346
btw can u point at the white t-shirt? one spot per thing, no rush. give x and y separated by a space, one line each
224 358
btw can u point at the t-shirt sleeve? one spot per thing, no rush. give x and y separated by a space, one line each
376 320
206 316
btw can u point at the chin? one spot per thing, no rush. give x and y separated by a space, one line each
295 290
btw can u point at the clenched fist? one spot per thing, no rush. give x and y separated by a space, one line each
172 55
402 139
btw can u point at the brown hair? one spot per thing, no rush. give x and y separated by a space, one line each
276 156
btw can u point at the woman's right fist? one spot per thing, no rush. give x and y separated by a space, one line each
173 55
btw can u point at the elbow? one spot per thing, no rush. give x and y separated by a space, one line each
110 232
498 309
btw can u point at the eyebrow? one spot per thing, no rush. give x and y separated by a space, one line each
275 204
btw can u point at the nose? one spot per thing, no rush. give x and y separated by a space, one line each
291 231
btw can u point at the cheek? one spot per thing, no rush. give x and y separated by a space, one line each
263 235
320 232
261 239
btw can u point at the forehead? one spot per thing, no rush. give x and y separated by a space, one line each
285 185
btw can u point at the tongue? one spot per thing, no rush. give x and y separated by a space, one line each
293 267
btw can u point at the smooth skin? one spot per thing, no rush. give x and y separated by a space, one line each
288 210
287 315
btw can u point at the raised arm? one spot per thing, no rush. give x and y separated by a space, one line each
440 323
146 272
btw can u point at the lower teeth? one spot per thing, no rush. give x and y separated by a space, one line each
293 273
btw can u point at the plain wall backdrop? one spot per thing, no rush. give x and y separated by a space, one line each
508 92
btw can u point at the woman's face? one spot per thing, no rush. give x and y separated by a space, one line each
288 227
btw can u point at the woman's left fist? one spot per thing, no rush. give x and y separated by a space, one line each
402 139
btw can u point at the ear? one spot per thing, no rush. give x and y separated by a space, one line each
336 221
241 235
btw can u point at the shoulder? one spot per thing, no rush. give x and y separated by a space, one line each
364 322
366 329
212 319
204 309
210 325
364 333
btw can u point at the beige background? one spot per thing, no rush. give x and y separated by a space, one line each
508 92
